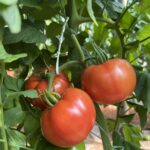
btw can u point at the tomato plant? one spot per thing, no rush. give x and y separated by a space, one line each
93 40
36 81
57 122
110 82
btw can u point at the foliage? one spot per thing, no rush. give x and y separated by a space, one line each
29 37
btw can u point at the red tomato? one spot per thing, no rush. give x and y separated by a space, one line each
35 81
69 122
110 82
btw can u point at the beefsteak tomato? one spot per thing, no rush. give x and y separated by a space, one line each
70 120
110 82
37 82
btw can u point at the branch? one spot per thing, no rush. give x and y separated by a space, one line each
77 45
124 12
2 125
121 37
88 19
60 43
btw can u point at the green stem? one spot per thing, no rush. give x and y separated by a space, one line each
50 77
103 128
73 14
77 45
88 19
70 64
124 12
117 116
2 125
121 37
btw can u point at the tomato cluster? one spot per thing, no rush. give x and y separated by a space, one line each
71 119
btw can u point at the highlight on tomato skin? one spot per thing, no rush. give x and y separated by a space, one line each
69 121
35 81
110 82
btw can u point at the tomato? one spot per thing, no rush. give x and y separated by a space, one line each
69 122
80 146
35 81
110 82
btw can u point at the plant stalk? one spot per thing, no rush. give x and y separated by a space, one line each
77 45
2 125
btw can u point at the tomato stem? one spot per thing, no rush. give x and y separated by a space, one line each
50 80
77 45
60 44
47 101
2 125
70 64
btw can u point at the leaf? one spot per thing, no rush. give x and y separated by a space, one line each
29 3
26 35
132 134
8 2
14 116
16 139
27 93
53 30
110 124
125 118
12 18
143 89
147 100
143 34
144 6
142 112
91 12
7 58
127 21
103 128
117 140
11 83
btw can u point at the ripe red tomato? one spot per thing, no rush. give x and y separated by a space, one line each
110 82
35 81
69 122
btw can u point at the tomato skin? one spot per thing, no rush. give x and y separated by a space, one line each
69 122
110 82
60 83
80 146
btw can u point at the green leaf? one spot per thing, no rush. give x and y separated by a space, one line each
144 6
103 128
14 116
117 140
143 89
44 145
7 58
110 124
90 11
132 134
125 118
27 93
26 35
53 30
127 21
143 33
29 3
147 100
8 2
12 18
16 139
11 83
142 112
